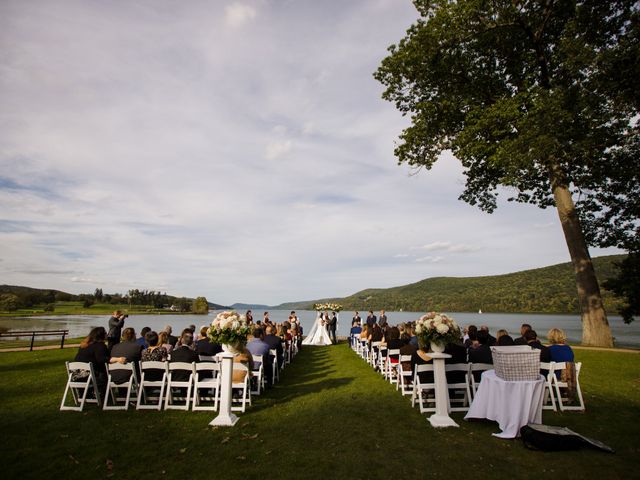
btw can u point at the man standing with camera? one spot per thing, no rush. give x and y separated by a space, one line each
116 322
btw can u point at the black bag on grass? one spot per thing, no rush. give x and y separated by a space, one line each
549 438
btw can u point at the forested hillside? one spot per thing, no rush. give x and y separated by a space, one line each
543 290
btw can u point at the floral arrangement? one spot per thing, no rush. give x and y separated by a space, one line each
334 307
229 328
438 328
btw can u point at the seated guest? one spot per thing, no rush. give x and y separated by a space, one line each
366 332
421 357
411 331
500 333
532 340
492 339
274 343
246 358
163 341
143 337
129 349
204 345
259 348
93 350
472 340
393 342
458 355
481 354
356 330
154 353
505 341
407 349
559 350
521 340
376 334
184 353
172 338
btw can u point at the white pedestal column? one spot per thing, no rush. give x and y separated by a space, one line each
225 418
441 418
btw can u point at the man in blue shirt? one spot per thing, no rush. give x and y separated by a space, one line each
259 348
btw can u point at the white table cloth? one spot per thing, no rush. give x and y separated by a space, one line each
511 404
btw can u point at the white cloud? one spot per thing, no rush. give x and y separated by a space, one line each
133 145
401 255
429 259
237 14
277 149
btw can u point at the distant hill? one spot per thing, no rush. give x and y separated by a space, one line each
249 306
542 290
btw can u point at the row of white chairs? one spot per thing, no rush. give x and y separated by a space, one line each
157 387
389 363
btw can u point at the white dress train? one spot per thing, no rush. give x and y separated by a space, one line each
318 334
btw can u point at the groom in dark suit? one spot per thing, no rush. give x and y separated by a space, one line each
332 324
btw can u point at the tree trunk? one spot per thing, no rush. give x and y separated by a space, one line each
595 327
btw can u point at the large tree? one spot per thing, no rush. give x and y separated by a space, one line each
539 97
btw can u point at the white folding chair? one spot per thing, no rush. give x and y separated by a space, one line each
114 389
561 395
180 385
421 390
148 370
206 386
80 387
276 371
549 402
404 376
207 358
238 404
477 367
391 367
374 353
381 360
258 375
457 388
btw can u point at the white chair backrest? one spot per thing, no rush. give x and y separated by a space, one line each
475 367
79 366
207 366
428 367
405 358
153 365
208 358
120 366
456 367
181 366
240 366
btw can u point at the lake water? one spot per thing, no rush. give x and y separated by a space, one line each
79 325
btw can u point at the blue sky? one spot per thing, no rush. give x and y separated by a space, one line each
234 149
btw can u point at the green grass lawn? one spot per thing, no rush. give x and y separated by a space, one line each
331 416
78 308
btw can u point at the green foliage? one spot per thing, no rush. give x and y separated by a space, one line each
627 286
543 290
9 302
200 306
325 395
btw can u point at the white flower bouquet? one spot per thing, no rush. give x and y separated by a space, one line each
229 328
437 328
334 307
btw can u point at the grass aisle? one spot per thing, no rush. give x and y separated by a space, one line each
331 416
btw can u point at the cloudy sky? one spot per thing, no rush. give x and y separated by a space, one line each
234 149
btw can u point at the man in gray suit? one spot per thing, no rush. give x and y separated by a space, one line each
382 321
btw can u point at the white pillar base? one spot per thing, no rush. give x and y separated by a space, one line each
223 420
441 421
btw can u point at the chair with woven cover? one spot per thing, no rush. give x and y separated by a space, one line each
153 380
239 402
114 387
562 387
80 386
421 390
206 386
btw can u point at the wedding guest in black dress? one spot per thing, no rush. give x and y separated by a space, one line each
129 349
154 353
93 350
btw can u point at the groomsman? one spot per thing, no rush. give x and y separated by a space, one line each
356 318
382 321
371 319
332 324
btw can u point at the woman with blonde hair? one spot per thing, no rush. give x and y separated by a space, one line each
559 350
163 341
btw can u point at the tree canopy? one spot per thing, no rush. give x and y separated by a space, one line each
540 97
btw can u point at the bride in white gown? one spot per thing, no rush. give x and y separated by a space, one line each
318 334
